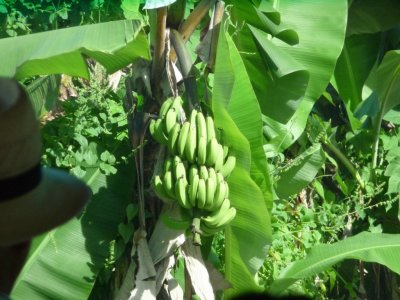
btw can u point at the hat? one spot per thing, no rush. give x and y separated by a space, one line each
33 199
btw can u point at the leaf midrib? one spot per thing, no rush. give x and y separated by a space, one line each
345 254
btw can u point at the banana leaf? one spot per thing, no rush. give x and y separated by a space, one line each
370 247
278 81
238 116
43 93
359 54
321 27
300 172
67 261
370 16
113 44
385 81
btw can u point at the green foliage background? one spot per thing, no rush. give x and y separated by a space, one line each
309 93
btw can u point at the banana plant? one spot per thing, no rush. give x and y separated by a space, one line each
120 44
263 71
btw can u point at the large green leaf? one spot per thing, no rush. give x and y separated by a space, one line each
68 259
370 16
254 16
287 84
386 82
321 28
237 113
113 44
359 55
300 172
278 81
43 93
370 247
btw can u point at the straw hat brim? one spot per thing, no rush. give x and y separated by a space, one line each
54 201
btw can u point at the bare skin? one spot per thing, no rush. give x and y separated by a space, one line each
12 259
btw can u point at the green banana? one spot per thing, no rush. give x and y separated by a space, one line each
203 172
152 128
193 115
220 195
226 151
179 168
176 104
226 189
168 184
210 193
183 135
164 107
219 161
201 126
191 141
214 219
212 152
201 138
193 187
227 218
181 193
173 138
212 174
229 165
168 163
210 128
159 134
170 120
201 150
220 178
158 188
208 230
201 194
192 172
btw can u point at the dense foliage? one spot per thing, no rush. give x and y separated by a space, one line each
306 94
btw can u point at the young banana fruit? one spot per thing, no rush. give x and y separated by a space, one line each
194 168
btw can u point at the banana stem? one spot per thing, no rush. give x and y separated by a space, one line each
215 27
185 62
196 228
189 25
159 49
195 18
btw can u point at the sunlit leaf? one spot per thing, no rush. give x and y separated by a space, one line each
252 15
288 81
248 237
113 44
321 28
370 247
300 172
386 82
68 259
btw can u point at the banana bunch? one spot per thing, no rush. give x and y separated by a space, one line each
194 170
